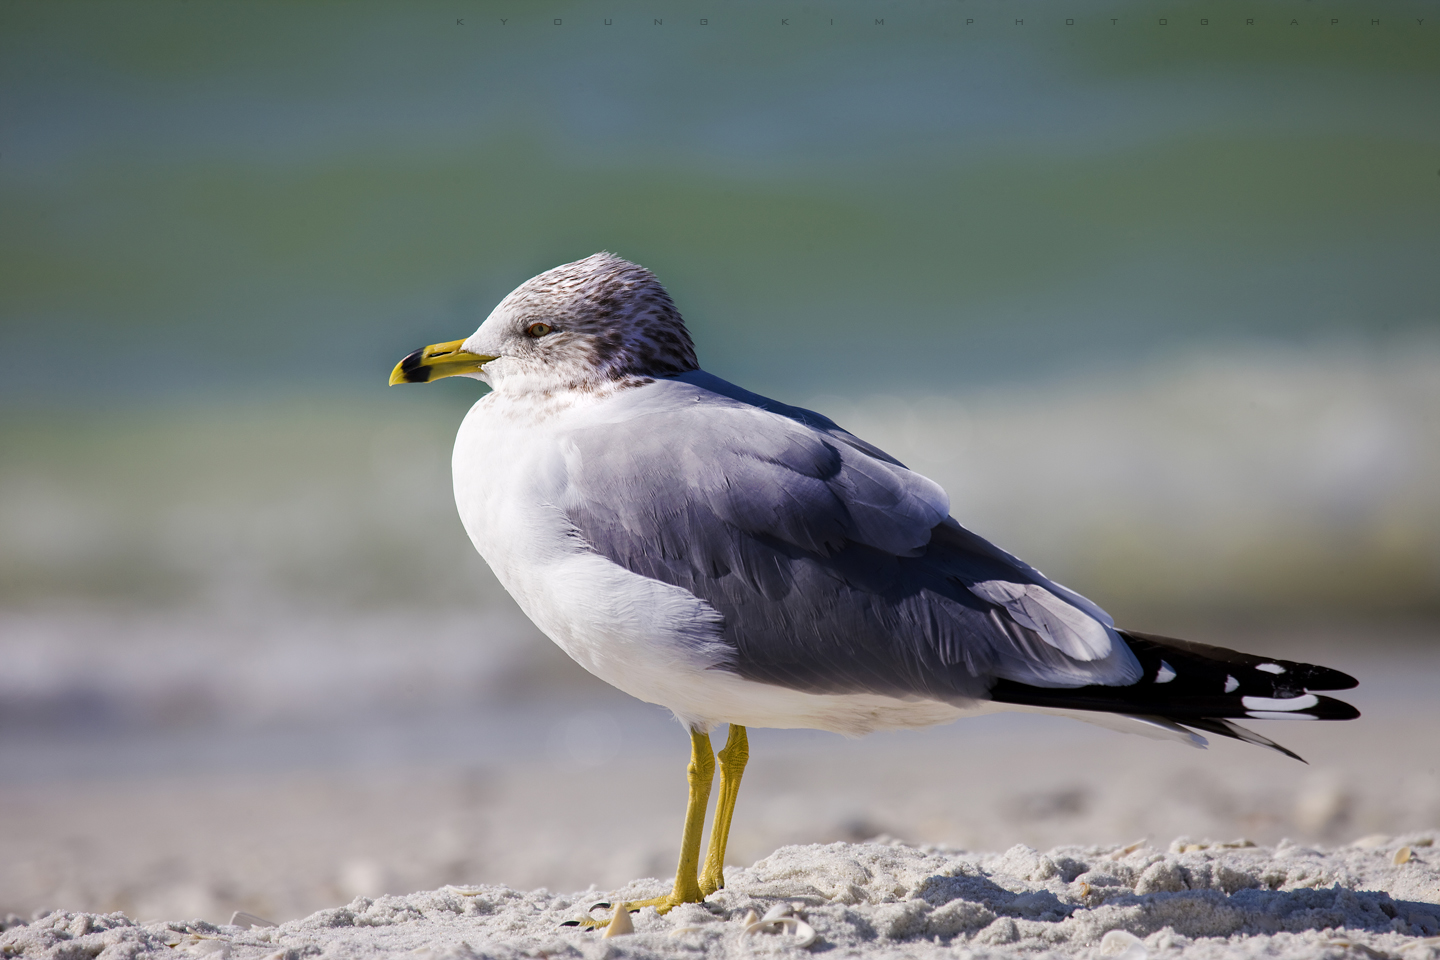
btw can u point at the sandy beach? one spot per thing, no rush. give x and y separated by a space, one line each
1148 289
880 899
328 830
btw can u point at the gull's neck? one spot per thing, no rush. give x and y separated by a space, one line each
540 392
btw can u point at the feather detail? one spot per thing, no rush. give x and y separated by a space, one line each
1203 687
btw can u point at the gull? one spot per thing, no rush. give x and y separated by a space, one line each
745 562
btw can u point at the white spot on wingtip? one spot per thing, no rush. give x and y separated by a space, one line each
1165 674
1289 703
1274 668
1279 715
1231 684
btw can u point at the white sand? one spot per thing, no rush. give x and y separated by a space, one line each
282 825
880 899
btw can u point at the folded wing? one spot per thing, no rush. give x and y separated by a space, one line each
835 568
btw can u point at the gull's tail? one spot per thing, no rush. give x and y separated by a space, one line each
1201 687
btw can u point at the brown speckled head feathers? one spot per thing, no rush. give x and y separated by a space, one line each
608 314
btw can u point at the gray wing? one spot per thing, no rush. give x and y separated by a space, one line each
835 568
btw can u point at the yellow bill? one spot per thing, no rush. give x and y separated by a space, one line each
437 361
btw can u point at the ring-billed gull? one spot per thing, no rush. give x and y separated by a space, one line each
746 562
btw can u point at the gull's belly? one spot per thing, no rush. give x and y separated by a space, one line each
650 639
653 640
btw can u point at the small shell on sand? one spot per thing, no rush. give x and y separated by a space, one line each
780 919
1188 847
1125 851
681 931
620 924
1401 856
1123 944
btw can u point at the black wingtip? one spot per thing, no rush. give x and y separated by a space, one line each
1202 687
1234 731
1324 678
1331 709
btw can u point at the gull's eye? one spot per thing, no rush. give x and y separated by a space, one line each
538 329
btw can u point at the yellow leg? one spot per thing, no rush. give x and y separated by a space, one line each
732 767
699 773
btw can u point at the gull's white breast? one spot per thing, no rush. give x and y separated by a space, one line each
654 641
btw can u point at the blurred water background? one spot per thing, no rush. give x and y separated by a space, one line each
1159 306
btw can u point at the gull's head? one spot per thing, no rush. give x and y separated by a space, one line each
588 324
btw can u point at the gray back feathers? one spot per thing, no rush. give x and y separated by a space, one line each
834 567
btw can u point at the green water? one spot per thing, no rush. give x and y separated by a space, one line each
209 197
1028 258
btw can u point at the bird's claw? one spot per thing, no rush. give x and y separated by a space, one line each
662 905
